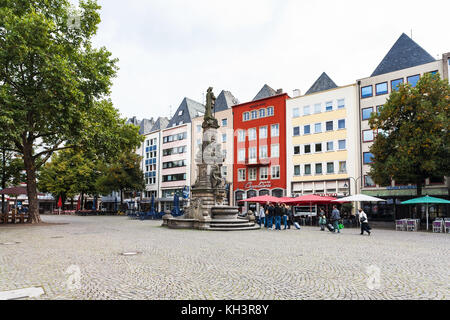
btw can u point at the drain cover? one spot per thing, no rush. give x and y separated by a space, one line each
9 243
131 253
57 237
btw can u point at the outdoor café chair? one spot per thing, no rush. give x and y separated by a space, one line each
400 225
437 225
411 225
447 226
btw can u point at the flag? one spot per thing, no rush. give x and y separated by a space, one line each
59 202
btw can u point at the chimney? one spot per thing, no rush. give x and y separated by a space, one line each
296 93
279 91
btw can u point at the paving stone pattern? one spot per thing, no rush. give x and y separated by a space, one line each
190 264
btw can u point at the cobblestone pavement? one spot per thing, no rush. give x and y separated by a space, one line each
188 264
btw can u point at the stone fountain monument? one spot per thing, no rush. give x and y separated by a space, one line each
209 208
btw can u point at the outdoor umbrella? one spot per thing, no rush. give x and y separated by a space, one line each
309 199
427 200
359 198
263 199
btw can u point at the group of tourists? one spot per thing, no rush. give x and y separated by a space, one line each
274 216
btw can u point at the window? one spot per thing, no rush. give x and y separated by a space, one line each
306 110
317 108
224 137
330 146
252 134
318 128
296 112
395 84
270 111
224 154
224 171
241 155
381 88
263 132
241 174
379 109
224 122
275 151
367 157
318 168
199 128
367 113
366 92
252 174
318 147
263 152
262 113
296 131
341 103
246 116
307 148
307 129
180 113
329 125
174 177
264 173
297 150
307 169
342 166
241 136
275 172
368 136
252 155
330 167
254 114
341 144
368 182
329 106
275 130
341 124
296 170
412 80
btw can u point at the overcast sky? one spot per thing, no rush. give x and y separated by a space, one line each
171 49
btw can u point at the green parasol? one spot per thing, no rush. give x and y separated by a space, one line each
427 200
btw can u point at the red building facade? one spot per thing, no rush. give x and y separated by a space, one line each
260 148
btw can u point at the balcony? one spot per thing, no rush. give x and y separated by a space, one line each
257 162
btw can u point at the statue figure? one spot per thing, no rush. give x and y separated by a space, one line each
208 120
216 176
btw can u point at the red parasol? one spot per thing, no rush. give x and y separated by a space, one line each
263 199
310 199
59 202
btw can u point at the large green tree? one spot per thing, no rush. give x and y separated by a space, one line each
125 174
53 83
414 141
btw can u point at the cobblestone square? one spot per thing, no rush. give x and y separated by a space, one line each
81 258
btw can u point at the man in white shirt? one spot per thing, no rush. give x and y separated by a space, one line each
364 222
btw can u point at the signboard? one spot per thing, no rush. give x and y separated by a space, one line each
261 185
305 211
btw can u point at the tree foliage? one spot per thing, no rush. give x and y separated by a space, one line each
123 175
53 85
413 142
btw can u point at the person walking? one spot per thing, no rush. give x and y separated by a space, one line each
335 217
270 215
278 214
322 219
364 222
262 216
290 217
285 216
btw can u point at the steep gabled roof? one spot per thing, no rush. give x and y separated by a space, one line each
405 53
134 121
225 100
323 83
146 126
265 92
187 110
160 124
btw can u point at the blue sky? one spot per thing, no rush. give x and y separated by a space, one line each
169 49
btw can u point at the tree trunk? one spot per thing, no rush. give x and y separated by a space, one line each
30 168
3 178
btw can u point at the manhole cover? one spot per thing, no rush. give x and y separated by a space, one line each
9 243
131 253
